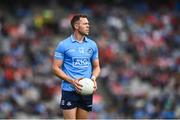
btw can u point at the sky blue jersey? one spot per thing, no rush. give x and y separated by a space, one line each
77 59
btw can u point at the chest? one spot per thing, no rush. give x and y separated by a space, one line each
79 51
79 56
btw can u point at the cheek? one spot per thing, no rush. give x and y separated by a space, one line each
81 29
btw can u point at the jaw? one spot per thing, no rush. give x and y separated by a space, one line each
84 33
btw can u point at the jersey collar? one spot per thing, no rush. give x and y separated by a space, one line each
73 39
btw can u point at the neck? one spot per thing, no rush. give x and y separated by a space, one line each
79 37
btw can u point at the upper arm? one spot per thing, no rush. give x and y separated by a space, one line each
95 52
57 63
59 51
58 55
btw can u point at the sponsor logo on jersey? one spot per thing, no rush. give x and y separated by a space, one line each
80 62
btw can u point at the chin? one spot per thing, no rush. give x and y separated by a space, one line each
86 34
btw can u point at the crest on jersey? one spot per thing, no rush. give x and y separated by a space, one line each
89 51
81 50
68 103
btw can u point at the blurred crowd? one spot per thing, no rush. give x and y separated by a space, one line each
139 57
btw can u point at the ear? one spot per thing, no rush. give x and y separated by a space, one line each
76 26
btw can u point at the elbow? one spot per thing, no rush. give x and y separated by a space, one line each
54 70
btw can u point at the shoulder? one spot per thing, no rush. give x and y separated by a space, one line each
62 44
64 41
92 42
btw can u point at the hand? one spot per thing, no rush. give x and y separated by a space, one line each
77 85
95 85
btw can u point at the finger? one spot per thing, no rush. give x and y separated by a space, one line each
77 84
95 88
95 85
79 79
78 90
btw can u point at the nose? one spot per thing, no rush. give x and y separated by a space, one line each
88 26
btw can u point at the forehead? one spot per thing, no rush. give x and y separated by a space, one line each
84 20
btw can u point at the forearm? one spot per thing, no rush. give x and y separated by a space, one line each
59 73
96 72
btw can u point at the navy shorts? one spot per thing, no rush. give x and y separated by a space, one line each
71 99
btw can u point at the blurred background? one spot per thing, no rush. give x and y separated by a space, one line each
138 40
